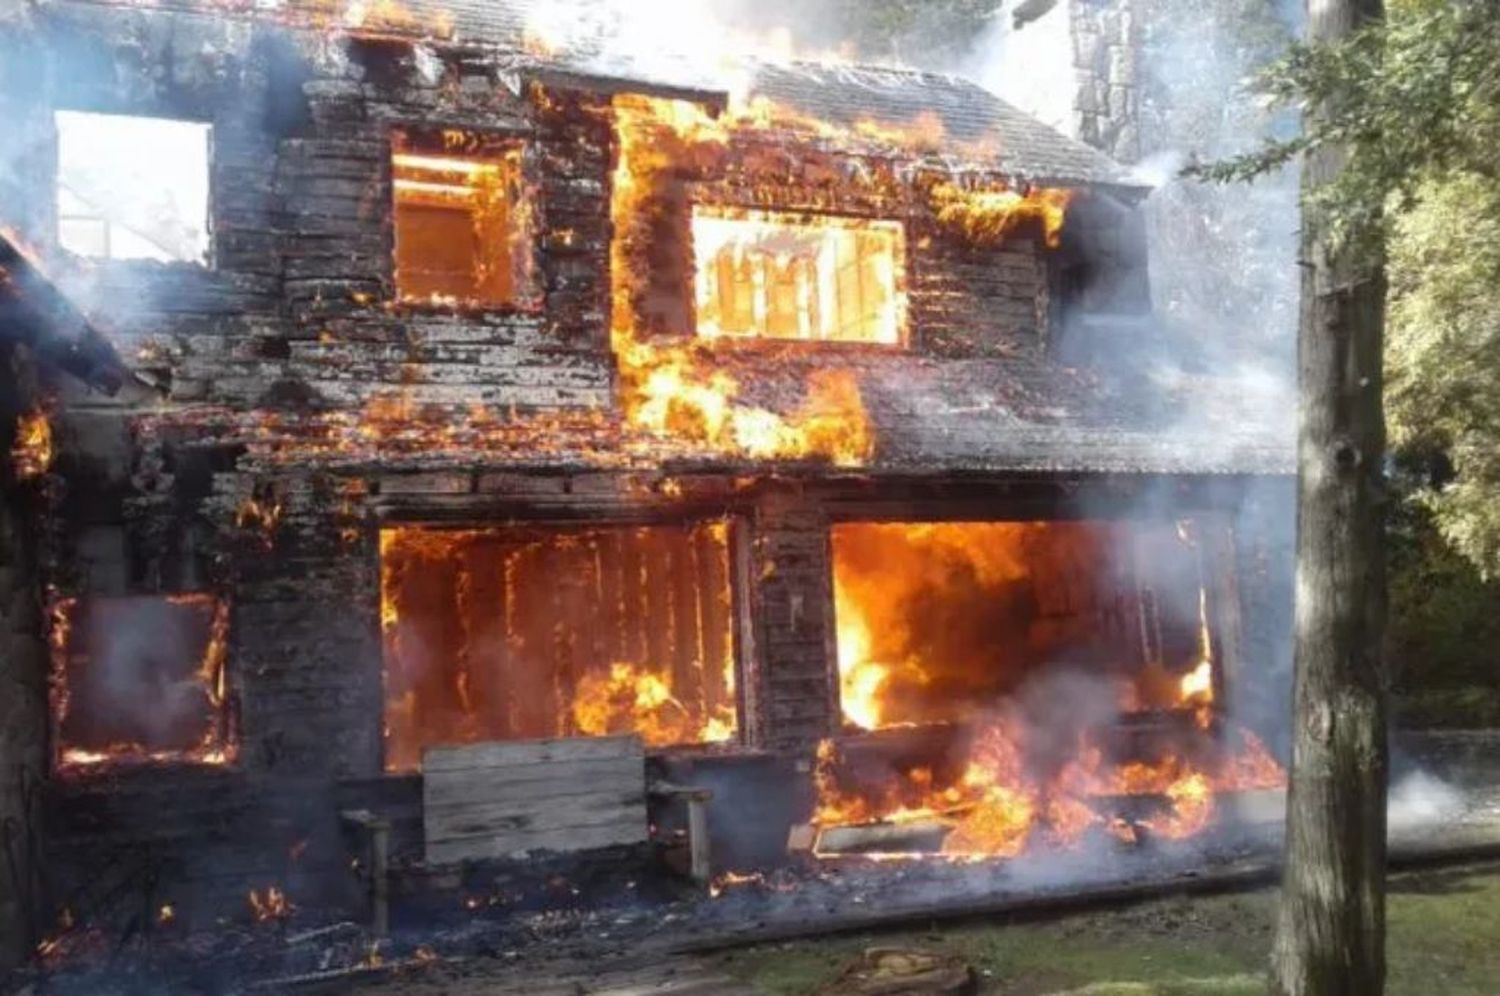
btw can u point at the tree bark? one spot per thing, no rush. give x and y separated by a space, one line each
1330 935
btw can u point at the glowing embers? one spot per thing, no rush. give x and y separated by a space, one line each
939 622
32 450
140 680
525 632
787 276
463 221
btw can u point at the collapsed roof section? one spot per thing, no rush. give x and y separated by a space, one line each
34 312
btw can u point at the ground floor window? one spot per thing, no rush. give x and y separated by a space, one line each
138 680
939 622
543 631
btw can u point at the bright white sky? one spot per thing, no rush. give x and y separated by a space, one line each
147 176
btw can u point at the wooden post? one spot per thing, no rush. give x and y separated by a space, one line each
374 834
698 842
700 852
380 877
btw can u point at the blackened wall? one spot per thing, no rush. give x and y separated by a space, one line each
23 678
265 476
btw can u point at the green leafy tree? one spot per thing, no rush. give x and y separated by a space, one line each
1415 98
1403 120
1444 357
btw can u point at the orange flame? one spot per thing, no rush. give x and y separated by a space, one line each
628 698
32 451
998 807
273 904
987 214
678 390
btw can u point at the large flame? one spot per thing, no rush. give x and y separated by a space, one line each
1001 802
680 390
986 214
629 699
944 623
536 632
936 621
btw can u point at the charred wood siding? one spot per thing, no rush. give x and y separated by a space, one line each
197 839
347 342
795 674
978 301
295 318
23 681
304 635
963 300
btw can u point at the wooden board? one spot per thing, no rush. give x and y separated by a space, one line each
500 800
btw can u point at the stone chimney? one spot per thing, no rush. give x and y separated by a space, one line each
1074 64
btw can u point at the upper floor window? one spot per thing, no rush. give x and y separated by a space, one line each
462 219
132 187
781 275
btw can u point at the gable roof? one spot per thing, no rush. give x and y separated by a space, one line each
977 128
974 125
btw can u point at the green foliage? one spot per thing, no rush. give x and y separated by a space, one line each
1412 99
1443 357
1444 628
1415 101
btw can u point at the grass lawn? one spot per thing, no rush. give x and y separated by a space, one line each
1444 939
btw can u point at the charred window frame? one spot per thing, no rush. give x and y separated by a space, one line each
461 575
130 186
463 221
1180 613
787 275
1100 275
141 681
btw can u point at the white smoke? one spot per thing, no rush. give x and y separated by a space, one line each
1422 800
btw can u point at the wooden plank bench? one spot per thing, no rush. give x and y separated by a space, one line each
506 799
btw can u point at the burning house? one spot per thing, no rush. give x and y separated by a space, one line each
802 427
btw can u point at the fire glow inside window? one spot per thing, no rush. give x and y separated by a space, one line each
788 276
140 680
939 622
527 632
462 221
132 187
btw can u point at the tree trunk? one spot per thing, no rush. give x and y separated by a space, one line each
1330 936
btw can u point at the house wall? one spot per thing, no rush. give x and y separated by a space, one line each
23 678
289 430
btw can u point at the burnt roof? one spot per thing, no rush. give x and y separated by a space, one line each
978 128
975 124
34 312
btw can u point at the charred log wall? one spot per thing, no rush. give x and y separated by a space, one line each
294 320
23 678
792 611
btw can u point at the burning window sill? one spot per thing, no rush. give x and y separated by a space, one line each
467 308
765 345
85 767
